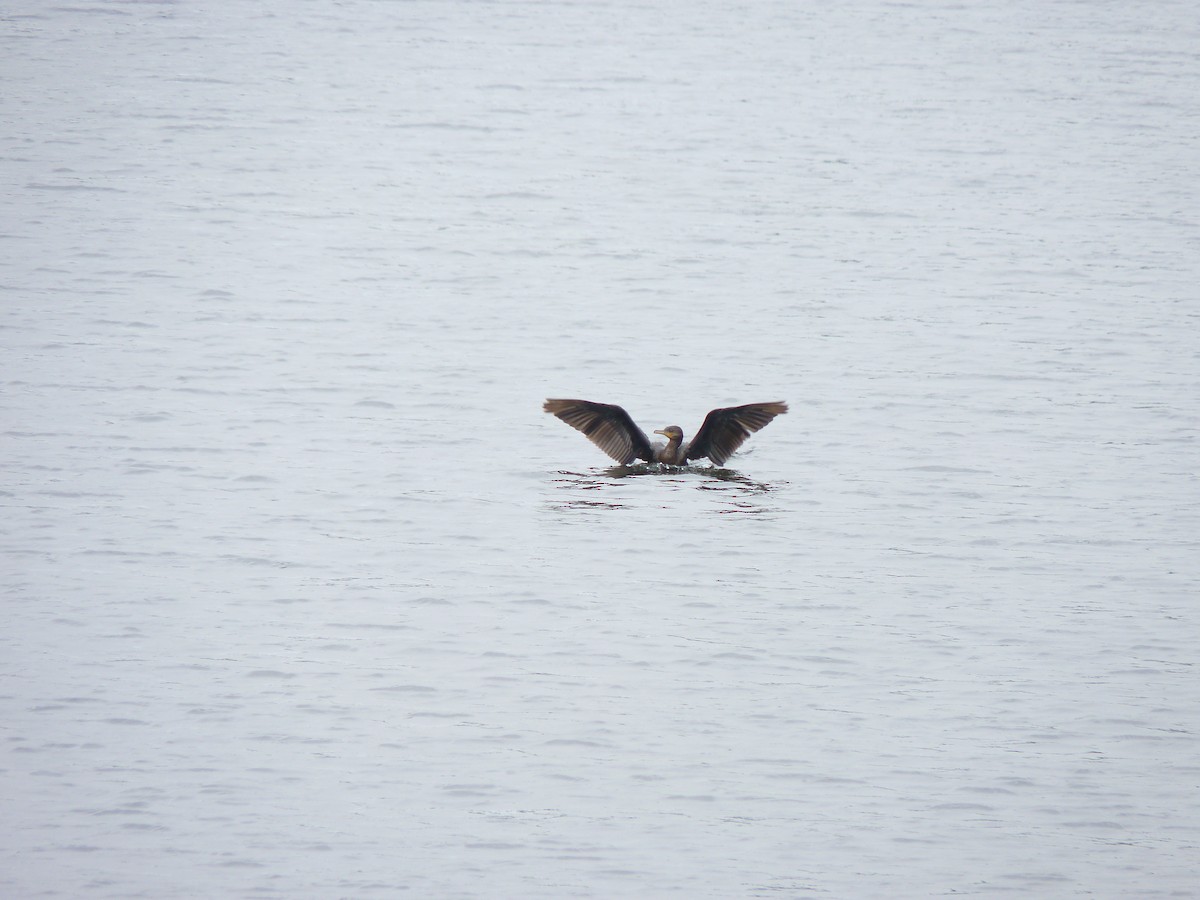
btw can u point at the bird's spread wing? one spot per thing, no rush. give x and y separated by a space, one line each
607 426
724 430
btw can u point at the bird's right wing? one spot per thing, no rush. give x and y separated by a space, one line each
607 426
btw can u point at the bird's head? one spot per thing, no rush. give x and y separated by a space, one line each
671 433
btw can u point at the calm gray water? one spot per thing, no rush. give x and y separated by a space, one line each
304 596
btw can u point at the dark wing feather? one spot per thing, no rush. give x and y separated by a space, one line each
607 426
724 430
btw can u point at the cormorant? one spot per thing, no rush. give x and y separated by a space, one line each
611 429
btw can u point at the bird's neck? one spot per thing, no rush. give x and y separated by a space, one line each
670 454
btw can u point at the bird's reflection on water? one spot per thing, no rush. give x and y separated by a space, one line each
734 492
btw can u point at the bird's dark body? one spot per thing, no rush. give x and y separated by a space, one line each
611 428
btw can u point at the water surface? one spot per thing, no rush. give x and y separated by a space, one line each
306 597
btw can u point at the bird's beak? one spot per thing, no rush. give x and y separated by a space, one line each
660 431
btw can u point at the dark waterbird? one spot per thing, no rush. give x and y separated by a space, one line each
611 429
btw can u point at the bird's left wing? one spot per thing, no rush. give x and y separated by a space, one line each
724 430
607 426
